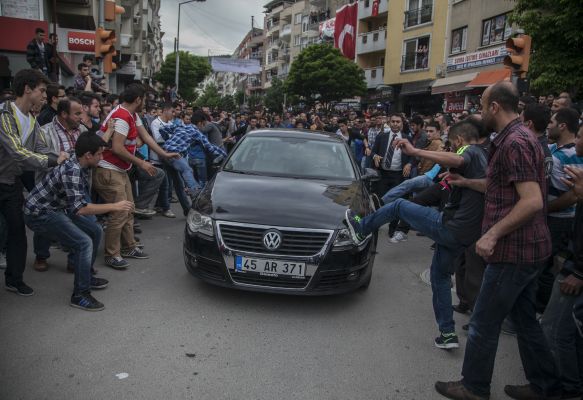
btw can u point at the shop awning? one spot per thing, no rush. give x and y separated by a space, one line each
417 87
455 83
488 78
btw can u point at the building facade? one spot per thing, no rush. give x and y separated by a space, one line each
138 34
416 31
474 53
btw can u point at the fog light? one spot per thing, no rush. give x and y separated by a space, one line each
353 276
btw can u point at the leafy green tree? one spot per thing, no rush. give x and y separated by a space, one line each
557 38
227 103
209 98
193 70
239 97
321 72
254 101
274 96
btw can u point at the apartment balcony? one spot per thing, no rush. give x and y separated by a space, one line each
372 41
365 8
272 27
374 76
418 16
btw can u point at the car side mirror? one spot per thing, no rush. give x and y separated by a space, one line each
370 175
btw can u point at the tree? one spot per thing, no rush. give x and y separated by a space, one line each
239 97
321 72
557 39
274 96
227 103
254 101
193 70
209 98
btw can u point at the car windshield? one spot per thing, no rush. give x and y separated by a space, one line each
293 157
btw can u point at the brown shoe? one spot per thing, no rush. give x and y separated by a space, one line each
527 392
40 265
457 391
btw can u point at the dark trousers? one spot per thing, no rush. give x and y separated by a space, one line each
11 201
389 179
508 290
469 273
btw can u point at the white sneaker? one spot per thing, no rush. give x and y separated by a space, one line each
2 260
398 236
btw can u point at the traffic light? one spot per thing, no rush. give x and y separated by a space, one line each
105 49
111 10
518 54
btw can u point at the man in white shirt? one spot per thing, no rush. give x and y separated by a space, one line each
165 192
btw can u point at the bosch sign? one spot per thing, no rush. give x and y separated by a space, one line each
81 41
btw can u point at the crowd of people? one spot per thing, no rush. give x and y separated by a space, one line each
499 190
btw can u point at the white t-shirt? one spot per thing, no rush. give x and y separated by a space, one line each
155 129
25 123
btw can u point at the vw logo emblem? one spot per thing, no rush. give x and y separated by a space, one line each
272 240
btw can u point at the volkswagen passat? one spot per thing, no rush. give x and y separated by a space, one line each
271 219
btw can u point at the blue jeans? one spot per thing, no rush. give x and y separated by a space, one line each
429 222
563 338
199 166
181 165
406 187
508 289
175 179
163 200
78 233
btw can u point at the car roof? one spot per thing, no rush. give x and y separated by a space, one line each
295 133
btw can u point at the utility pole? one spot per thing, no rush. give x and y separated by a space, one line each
176 81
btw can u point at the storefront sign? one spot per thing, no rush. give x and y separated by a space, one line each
478 59
455 102
81 41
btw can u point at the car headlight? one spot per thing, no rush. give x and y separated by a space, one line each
198 223
343 238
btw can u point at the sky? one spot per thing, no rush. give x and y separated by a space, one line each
215 26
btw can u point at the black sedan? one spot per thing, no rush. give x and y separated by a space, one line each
271 220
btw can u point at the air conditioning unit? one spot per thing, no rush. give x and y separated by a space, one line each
440 71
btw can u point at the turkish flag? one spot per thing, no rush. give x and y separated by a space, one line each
375 8
345 30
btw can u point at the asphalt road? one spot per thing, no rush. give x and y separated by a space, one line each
166 335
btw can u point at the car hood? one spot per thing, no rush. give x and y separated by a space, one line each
279 201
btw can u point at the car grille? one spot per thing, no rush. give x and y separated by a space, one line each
259 280
295 243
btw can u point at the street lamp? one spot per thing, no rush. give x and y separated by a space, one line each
178 41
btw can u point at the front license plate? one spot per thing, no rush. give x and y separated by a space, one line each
269 267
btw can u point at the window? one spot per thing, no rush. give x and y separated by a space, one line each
298 19
495 30
458 40
305 23
297 40
416 54
418 12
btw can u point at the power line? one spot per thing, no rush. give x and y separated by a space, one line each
205 33
220 19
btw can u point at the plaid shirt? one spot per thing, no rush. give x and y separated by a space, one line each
516 156
62 189
67 139
371 135
181 137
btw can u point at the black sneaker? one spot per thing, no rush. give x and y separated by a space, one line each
353 223
376 201
98 283
86 302
447 341
134 253
116 262
21 289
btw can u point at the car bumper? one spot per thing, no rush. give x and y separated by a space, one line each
337 272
